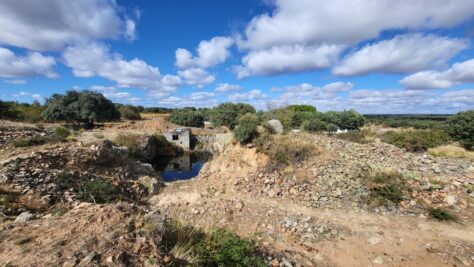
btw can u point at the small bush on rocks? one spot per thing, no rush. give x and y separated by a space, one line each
441 214
247 128
98 191
385 187
416 141
61 132
285 150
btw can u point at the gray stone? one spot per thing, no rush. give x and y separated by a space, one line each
276 125
24 217
107 153
150 183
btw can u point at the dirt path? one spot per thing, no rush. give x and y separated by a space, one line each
361 238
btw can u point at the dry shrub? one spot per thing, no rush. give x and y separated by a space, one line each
361 137
286 149
451 151
386 187
131 141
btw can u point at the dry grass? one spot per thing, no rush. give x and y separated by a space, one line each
451 151
286 149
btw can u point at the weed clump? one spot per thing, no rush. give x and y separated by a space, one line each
217 247
285 150
441 214
416 141
386 187
96 190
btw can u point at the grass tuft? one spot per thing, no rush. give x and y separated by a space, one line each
441 214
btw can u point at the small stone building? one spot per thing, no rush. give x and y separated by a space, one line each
180 137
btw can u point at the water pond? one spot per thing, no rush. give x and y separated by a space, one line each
183 167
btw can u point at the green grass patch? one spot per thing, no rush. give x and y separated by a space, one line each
386 187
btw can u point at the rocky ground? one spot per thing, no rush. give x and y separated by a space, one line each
312 213
316 212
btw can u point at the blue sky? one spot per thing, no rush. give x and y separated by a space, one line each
376 57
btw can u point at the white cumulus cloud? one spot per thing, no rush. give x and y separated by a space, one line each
30 65
209 54
402 54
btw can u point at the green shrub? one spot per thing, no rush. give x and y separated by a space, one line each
302 108
187 117
386 187
30 141
191 246
98 191
461 128
130 112
61 132
247 128
222 248
417 140
314 125
442 215
228 114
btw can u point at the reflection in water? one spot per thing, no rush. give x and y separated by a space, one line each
183 167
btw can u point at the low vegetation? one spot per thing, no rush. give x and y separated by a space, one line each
416 140
441 214
285 150
97 190
187 117
410 121
60 134
361 137
228 114
451 151
129 112
317 125
461 128
130 141
386 187
247 130
216 247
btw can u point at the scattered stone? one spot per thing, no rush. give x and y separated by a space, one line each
24 217
377 260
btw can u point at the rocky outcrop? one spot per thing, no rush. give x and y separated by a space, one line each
107 153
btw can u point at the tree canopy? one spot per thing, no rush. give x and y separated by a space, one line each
84 107
228 114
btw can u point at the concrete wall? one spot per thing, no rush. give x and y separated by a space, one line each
181 138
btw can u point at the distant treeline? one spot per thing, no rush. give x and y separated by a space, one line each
417 121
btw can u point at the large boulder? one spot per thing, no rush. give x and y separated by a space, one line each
152 184
108 154
276 125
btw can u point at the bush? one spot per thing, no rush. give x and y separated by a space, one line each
247 128
461 128
285 150
217 247
130 112
222 248
417 140
314 125
61 132
442 215
187 117
228 114
98 191
385 187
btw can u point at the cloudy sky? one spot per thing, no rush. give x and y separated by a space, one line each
377 56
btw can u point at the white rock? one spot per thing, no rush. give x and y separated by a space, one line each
24 217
